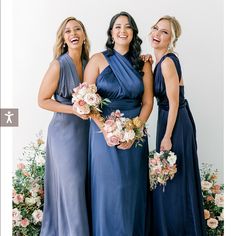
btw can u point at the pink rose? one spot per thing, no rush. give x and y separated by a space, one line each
18 198
20 166
83 85
24 223
81 107
216 188
113 140
209 198
153 161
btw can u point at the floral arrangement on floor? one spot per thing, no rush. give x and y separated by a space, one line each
121 129
28 185
162 167
213 198
28 194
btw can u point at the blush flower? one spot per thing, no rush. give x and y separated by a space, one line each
212 223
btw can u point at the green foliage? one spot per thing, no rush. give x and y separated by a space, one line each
28 185
213 198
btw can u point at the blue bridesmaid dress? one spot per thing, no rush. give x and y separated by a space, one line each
178 211
118 178
65 211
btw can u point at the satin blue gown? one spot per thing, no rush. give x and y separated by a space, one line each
65 212
178 211
118 178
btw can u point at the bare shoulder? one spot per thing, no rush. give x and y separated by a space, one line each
97 57
98 61
54 65
167 64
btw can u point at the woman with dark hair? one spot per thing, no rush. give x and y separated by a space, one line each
65 212
119 174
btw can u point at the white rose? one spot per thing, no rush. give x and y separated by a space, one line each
40 160
91 99
38 216
206 185
221 217
16 214
219 200
129 135
212 223
172 159
30 201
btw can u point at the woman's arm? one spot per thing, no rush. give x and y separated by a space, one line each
147 99
172 90
47 89
95 65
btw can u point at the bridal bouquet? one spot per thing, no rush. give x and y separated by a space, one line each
162 167
120 129
86 100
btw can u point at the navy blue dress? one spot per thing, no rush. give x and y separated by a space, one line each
65 212
178 211
118 178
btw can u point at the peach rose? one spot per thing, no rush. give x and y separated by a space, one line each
206 214
216 188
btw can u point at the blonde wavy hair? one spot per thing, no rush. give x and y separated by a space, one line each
59 47
175 30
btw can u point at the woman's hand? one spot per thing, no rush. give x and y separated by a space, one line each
147 57
83 117
166 144
126 145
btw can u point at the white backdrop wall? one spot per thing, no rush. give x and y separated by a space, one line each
200 49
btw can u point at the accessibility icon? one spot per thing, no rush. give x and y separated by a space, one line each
9 117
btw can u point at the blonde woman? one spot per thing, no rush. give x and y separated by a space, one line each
178 210
65 212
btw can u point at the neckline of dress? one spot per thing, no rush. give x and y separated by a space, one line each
82 61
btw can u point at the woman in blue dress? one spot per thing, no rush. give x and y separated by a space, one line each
119 175
178 211
65 211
